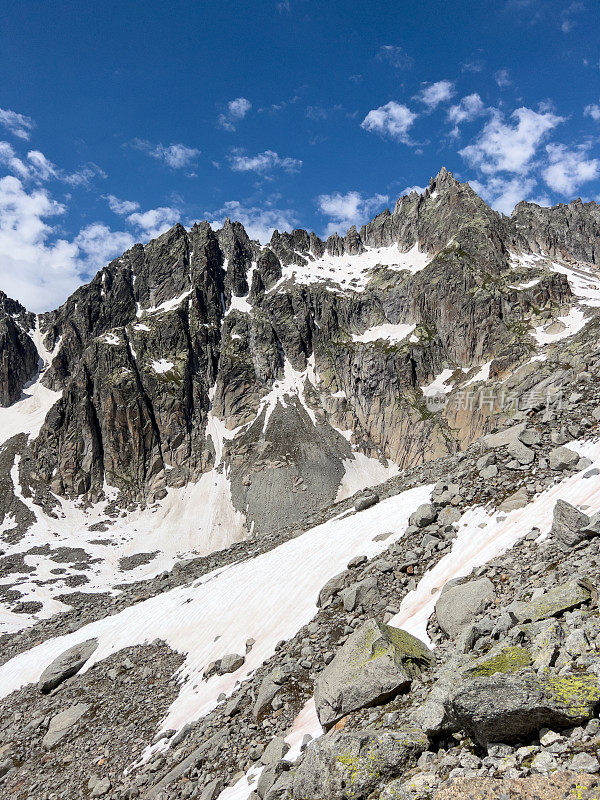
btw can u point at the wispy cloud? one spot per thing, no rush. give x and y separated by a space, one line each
593 111
436 93
352 208
175 156
504 193
263 162
18 124
502 78
393 120
395 55
468 109
35 166
236 111
121 207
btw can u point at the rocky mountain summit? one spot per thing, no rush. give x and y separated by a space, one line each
309 520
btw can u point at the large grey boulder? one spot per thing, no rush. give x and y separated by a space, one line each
271 684
230 663
62 722
375 664
66 665
508 707
351 765
362 503
563 458
503 438
461 603
520 451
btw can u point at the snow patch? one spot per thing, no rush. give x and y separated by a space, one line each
162 365
362 472
439 384
392 333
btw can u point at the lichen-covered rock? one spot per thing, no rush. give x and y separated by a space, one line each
567 523
349 766
558 786
508 707
376 663
509 659
555 601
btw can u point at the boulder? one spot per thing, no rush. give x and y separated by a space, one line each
66 665
363 593
274 751
461 603
509 707
351 765
271 684
562 458
331 588
518 499
375 664
521 452
568 523
503 438
212 789
555 601
61 723
230 663
423 516
362 503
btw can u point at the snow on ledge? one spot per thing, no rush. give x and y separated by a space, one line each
392 333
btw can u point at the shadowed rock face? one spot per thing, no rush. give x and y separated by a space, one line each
198 325
18 355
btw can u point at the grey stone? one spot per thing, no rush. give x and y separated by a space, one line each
331 588
567 523
62 722
460 604
424 515
363 593
231 662
350 766
66 665
561 458
362 503
274 751
375 664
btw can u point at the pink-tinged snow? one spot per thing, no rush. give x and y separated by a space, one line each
353 271
362 472
584 282
482 374
484 534
268 598
438 385
162 365
168 305
305 723
574 321
391 333
193 520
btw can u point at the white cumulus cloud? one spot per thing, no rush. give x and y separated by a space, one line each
469 108
155 221
393 119
349 209
568 168
436 93
121 207
503 194
510 147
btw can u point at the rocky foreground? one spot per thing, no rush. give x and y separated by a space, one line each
505 705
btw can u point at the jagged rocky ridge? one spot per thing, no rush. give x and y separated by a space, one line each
202 322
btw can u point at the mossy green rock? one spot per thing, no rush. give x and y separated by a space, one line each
376 663
509 707
556 601
351 765
509 659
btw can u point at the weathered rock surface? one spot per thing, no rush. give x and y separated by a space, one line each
351 765
376 663
459 604
506 707
66 665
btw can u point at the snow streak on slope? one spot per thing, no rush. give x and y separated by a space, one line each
268 598
485 534
570 324
353 271
361 472
27 415
391 333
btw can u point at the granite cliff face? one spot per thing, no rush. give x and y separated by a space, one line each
277 365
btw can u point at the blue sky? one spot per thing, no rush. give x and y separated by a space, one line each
118 119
